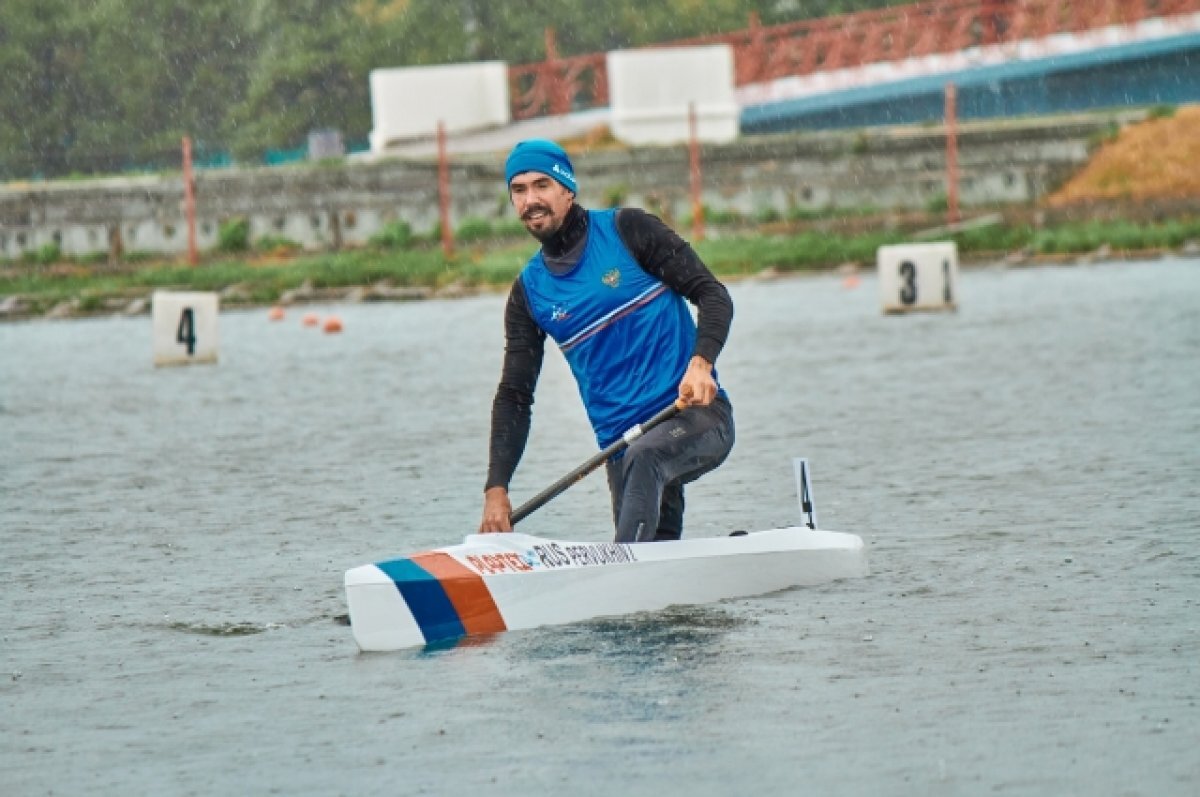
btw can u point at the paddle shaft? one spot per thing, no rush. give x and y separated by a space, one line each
560 486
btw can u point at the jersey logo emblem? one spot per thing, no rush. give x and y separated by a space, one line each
559 313
612 278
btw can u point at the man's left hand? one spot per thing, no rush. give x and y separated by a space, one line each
698 388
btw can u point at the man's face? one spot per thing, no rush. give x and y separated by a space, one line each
541 203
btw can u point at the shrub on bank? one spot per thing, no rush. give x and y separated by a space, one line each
473 229
45 255
234 235
394 235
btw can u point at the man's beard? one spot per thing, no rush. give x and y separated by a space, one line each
552 225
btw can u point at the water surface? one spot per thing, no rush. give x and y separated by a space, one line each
1024 472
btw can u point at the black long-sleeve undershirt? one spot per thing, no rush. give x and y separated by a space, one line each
662 253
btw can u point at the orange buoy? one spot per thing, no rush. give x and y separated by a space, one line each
275 313
333 324
850 282
310 320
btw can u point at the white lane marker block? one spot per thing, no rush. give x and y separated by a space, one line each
184 327
918 276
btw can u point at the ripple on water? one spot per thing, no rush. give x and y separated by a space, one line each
222 629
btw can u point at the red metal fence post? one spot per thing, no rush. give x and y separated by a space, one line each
751 59
444 192
694 162
189 200
557 89
989 19
951 153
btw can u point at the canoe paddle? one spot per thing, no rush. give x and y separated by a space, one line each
554 490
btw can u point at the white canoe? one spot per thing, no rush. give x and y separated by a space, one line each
498 582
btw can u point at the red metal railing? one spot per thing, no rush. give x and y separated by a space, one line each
561 85
558 85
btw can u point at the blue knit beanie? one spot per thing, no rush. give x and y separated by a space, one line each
540 155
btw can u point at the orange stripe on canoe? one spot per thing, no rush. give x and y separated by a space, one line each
466 590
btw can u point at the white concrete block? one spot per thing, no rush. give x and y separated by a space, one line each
408 102
650 91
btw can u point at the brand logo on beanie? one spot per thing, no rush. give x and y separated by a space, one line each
560 170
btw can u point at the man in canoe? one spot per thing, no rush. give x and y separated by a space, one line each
609 286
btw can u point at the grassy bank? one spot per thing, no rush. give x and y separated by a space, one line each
414 270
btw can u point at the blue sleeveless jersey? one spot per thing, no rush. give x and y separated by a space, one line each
626 335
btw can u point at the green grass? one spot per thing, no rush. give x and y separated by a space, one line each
805 251
1119 235
498 262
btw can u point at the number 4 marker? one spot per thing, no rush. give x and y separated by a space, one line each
186 333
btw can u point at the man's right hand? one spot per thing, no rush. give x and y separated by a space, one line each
497 511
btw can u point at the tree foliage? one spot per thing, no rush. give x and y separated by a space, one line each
42 84
169 71
114 84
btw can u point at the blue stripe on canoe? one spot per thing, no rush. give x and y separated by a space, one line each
426 599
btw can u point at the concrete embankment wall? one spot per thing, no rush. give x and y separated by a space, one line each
337 205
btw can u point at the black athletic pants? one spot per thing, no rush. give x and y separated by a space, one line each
646 482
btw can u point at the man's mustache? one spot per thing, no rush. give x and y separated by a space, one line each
529 211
